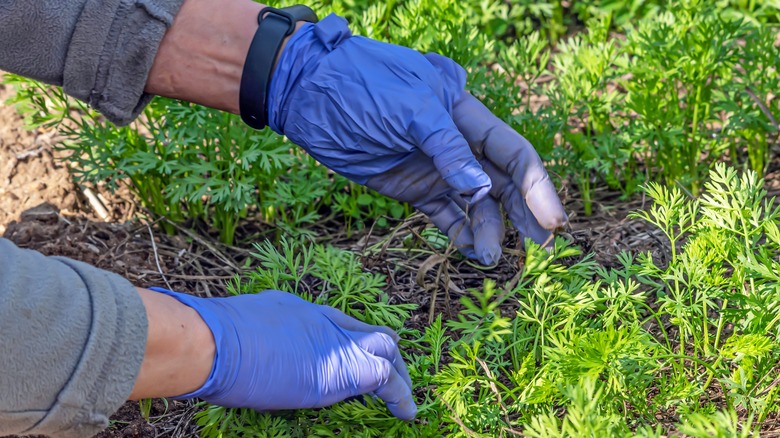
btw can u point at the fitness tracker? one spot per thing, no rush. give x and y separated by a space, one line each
273 26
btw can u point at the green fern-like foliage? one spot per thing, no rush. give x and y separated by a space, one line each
570 348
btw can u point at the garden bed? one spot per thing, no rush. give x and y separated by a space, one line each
48 213
655 314
187 264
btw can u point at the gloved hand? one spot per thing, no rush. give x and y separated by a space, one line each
276 351
400 123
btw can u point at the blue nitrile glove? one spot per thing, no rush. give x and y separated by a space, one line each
401 123
276 351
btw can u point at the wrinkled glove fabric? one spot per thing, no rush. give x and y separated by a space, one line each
402 123
361 107
276 351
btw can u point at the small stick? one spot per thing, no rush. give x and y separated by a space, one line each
763 108
495 390
10 170
21 156
157 258
456 418
98 206
208 245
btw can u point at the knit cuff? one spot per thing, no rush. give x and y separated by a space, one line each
112 51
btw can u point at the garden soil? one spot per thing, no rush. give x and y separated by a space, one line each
41 208
29 175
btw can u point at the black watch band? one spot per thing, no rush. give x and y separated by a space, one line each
273 26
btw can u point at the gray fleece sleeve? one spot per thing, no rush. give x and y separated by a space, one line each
99 51
72 338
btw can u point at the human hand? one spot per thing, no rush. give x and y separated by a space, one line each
401 123
276 351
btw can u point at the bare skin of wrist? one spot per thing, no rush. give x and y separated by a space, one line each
201 57
180 349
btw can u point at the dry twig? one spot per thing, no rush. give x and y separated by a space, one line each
157 257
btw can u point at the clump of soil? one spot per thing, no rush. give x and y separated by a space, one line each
29 174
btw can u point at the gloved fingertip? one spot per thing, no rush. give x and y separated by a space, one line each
565 222
545 205
405 410
397 394
556 222
490 256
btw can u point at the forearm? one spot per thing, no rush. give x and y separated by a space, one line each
201 58
179 349
78 341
